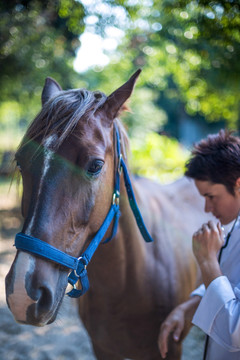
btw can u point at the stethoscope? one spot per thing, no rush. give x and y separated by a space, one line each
219 259
227 239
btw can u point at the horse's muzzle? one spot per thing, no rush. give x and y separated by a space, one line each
34 290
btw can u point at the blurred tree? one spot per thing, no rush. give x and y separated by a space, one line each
190 50
190 53
37 38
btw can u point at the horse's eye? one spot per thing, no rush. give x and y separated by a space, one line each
95 167
19 167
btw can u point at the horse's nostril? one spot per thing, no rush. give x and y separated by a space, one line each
45 299
38 312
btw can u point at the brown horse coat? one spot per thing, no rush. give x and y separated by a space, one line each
68 161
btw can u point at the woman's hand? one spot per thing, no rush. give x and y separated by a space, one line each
206 243
175 323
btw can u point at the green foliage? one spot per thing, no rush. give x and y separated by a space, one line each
10 134
189 51
158 157
37 40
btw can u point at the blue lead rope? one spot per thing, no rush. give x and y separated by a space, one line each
79 265
132 201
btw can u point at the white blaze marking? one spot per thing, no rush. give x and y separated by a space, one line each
19 301
48 154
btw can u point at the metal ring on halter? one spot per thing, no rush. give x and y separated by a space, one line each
84 265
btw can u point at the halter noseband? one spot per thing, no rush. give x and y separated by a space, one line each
79 265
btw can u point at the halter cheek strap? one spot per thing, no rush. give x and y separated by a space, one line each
79 265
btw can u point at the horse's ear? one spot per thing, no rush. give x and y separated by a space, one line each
50 89
116 100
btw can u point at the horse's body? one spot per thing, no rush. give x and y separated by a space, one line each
67 193
137 285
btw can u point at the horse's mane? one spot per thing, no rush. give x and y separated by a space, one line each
61 114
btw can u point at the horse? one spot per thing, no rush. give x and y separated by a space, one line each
69 161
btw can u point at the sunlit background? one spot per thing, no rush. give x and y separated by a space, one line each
188 51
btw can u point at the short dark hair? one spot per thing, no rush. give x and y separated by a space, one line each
216 159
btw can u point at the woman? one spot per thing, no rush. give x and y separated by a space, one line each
215 305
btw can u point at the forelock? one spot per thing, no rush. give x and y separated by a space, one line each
61 114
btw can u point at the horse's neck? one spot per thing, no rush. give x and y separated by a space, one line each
120 261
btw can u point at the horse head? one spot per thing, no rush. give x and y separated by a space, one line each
67 163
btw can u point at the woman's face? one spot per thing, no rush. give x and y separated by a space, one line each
223 205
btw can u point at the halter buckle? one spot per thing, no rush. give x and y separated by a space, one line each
116 197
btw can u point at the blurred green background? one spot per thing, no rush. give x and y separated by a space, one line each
189 52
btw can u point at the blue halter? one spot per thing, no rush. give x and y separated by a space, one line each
79 265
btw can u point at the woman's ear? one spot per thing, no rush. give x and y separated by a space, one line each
237 184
